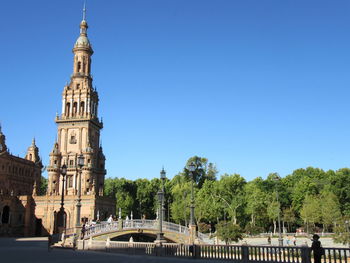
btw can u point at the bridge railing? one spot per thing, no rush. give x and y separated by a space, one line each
105 227
140 223
172 227
237 253
101 228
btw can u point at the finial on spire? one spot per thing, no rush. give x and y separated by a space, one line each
33 141
84 11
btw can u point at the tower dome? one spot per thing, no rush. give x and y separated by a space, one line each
83 41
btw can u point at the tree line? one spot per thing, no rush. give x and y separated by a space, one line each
310 198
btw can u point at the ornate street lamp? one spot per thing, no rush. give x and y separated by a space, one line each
163 177
160 235
80 162
192 167
62 218
280 239
160 194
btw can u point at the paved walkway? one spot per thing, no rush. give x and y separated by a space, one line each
35 250
23 250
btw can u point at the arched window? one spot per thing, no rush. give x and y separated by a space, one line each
67 108
70 181
82 106
79 66
75 105
30 157
5 215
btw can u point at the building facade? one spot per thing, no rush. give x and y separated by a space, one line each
19 183
78 133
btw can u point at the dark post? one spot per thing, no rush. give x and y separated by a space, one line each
245 253
163 177
80 161
305 254
160 235
280 239
192 168
62 218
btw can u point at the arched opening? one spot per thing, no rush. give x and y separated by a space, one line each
60 221
38 227
67 108
82 106
79 66
75 108
5 215
70 181
139 236
30 157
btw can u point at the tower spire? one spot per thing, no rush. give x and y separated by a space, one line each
84 11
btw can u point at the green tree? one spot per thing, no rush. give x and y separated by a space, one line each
273 209
181 193
289 217
342 232
109 187
229 232
231 193
125 195
339 182
307 182
43 186
255 201
207 206
330 211
203 170
310 211
146 192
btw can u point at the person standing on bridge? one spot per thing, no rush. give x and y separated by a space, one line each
83 230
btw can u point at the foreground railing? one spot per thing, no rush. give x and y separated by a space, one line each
235 253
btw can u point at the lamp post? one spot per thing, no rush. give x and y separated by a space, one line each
192 168
160 194
160 235
80 162
280 239
163 177
61 212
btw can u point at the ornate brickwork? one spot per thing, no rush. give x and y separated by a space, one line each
19 181
78 132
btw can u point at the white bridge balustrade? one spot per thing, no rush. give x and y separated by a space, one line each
232 253
114 226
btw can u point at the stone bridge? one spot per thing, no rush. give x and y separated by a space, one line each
173 233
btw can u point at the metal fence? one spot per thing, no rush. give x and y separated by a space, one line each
235 253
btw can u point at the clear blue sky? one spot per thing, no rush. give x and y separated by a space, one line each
255 86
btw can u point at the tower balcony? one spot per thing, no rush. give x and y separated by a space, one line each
81 75
79 118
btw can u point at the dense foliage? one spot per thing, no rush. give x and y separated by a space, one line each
310 198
